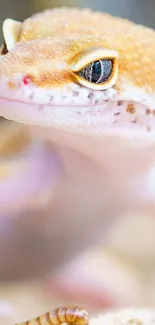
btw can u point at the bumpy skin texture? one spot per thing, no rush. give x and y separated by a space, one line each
74 31
38 86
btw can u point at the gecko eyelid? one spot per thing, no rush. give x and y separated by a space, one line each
97 69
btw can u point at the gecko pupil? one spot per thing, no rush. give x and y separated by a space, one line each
98 71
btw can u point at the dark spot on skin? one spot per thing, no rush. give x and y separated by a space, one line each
153 112
96 101
116 113
91 95
120 103
130 109
148 128
148 111
134 121
51 98
75 93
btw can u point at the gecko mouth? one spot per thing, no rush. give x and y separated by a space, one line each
79 110
119 118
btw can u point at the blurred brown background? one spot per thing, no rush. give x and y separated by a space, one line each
140 11
129 258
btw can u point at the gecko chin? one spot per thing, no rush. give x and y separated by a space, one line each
79 110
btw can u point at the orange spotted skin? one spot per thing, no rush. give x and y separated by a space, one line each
52 37
70 315
39 85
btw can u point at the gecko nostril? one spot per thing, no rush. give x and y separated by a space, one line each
26 80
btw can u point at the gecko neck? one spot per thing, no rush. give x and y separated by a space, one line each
113 153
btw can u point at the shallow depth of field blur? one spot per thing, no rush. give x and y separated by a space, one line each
126 264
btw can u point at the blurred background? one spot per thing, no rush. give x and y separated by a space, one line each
139 11
118 273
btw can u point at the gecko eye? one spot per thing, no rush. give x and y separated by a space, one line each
96 69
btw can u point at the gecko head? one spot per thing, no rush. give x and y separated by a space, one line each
88 79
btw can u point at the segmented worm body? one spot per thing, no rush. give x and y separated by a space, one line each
70 315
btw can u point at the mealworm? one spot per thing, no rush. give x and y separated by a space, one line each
70 315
